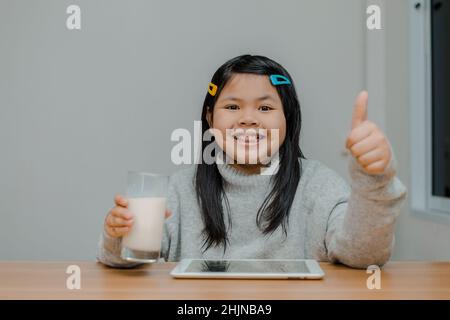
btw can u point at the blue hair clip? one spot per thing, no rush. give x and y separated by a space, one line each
278 79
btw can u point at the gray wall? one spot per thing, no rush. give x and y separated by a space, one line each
80 108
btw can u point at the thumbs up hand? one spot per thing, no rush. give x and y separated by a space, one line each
366 141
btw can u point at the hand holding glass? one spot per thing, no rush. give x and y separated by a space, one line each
146 195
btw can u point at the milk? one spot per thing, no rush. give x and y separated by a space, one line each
146 232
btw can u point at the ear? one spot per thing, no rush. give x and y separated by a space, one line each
209 117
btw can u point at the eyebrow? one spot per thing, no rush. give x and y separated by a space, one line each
265 97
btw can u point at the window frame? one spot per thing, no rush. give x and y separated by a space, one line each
423 202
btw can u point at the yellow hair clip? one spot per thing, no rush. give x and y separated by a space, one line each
212 89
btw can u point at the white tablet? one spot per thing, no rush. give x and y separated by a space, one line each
248 269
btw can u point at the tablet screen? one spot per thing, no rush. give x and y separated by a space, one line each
243 266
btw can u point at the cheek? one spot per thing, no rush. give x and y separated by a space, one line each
282 136
282 129
220 124
280 124
220 136
223 118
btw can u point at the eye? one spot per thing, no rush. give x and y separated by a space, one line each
265 108
232 107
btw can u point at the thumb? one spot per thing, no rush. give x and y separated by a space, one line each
360 109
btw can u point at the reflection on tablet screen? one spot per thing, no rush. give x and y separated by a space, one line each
239 266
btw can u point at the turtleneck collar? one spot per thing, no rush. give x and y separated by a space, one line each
238 178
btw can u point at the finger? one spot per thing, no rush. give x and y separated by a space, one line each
108 221
120 231
366 145
120 200
121 212
360 133
112 221
360 109
168 214
118 222
110 231
371 157
376 167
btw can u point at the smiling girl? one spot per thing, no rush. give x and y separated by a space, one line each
231 209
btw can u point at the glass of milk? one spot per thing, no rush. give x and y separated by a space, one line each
146 194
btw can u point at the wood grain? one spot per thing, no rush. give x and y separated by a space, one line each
47 280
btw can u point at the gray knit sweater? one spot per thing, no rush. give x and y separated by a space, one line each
329 220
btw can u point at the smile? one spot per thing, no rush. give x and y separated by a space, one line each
248 137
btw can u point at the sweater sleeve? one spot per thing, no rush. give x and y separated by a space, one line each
108 253
360 231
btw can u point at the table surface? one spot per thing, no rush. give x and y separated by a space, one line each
47 280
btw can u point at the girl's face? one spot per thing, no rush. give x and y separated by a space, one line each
248 121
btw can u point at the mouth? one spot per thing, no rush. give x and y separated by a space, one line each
249 137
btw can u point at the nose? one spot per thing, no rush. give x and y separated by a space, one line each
248 119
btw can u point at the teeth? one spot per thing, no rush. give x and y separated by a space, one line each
247 137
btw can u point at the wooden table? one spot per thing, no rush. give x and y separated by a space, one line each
47 280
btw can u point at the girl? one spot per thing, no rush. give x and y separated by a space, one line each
302 210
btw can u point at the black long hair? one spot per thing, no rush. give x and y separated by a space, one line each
209 183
